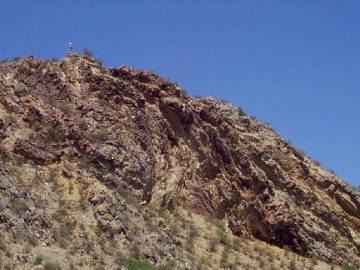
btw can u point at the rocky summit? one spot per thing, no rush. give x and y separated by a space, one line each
121 169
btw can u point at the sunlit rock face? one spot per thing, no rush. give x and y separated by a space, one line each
110 130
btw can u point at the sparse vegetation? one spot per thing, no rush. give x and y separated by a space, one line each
56 133
3 246
224 257
52 179
99 135
62 202
80 198
213 244
99 62
38 260
224 239
88 52
138 265
347 266
51 266
65 108
128 197
83 125
293 264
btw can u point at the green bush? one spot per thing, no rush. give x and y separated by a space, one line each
65 108
56 133
38 260
62 202
223 239
346 266
138 265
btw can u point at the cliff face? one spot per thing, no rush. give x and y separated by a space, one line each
103 140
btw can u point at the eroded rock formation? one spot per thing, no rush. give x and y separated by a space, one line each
133 130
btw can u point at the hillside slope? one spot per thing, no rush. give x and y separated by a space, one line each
105 164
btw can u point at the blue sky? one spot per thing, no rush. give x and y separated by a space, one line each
293 64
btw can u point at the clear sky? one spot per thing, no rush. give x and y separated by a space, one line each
293 64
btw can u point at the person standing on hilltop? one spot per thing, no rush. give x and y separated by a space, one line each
71 47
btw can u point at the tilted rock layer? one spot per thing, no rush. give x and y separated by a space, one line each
133 130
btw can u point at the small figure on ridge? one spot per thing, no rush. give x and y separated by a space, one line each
71 47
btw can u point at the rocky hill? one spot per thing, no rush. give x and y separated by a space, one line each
120 169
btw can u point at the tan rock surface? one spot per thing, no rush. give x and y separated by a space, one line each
115 144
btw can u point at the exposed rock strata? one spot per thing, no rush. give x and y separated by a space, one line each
140 132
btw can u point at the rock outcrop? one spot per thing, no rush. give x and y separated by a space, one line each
120 131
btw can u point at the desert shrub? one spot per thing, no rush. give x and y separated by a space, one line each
214 241
128 197
60 214
224 101
74 60
166 266
120 259
33 240
138 265
36 179
16 58
88 52
19 206
52 179
3 246
70 224
193 232
83 125
51 266
62 202
236 244
83 199
55 132
49 100
38 260
224 257
100 135
99 62
223 239
346 266
293 265
136 253
100 229
190 241
65 108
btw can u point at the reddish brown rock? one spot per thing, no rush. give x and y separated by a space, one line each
136 131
